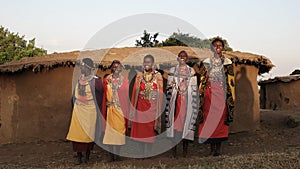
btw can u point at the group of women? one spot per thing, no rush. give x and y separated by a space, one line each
204 102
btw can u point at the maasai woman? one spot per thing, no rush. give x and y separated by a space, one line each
216 98
146 101
115 109
85 108
182 103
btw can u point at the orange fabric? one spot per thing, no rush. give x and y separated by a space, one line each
123 96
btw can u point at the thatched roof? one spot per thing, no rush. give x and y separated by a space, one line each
284 79
130 56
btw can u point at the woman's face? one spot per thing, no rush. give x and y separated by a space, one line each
85 69
182 58
147 63
116 68
218 47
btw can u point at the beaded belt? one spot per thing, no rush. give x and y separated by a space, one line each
88 102
112 104
143 96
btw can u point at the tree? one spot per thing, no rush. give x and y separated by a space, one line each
185 39
176 39
147 40
14 47
181 39
226 45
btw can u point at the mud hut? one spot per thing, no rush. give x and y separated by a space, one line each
35 92
280 93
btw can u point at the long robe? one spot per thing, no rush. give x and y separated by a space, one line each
84 122
181 108
216 103
146 113
115 111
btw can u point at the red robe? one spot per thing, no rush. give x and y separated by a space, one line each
180 112
146 121
213 128
216 103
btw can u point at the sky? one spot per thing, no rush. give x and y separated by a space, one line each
265 27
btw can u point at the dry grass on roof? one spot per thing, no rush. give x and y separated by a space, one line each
284 79
130 56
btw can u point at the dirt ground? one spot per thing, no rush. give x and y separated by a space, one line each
273 146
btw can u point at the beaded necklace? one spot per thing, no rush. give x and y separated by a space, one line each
216 73
116 83
182 74
83 81
148 79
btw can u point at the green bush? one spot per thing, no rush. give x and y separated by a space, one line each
14 47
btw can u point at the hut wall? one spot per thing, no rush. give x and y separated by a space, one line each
35 106
282 96
247 112
8 107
